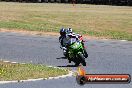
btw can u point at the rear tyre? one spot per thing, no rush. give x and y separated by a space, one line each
85 53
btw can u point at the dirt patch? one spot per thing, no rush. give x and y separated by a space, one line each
42 33
29 32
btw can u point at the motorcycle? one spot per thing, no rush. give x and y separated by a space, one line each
76 53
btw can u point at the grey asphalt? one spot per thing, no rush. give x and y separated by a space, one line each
105 57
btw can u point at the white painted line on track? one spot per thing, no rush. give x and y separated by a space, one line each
28 80
123 40
6 61
14 62
4 82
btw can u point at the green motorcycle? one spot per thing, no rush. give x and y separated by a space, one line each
76 53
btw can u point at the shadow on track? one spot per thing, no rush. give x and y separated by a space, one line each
68 66
61 58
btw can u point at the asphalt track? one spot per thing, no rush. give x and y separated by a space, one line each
105 56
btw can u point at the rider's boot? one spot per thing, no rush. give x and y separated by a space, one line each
66 54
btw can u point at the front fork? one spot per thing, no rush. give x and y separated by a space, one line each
85 52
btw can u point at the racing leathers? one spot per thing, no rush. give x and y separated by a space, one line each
69 39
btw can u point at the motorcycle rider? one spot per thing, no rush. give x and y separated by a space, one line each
64 33
63 40
70 39
66 37
62 36
69 30
79 38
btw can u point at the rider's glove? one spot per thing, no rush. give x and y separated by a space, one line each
64 48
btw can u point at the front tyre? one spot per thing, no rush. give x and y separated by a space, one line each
82 59
85 53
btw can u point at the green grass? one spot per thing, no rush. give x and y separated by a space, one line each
113 22
9 71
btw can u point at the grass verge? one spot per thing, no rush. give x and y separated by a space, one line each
114 22
12 71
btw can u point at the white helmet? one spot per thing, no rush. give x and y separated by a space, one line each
69 30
